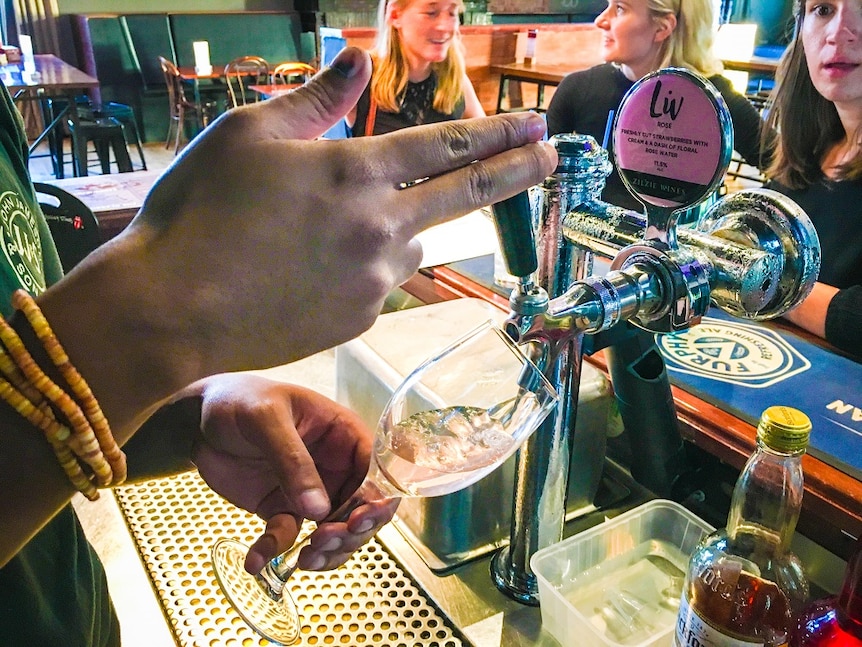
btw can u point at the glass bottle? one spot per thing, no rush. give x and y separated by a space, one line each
836 621
744 586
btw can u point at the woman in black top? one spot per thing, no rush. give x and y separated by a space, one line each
642 36
817 113
420 76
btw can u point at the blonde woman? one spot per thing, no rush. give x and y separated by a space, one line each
419 72
641 36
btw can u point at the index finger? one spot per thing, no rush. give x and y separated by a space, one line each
448 196
469 164
427 151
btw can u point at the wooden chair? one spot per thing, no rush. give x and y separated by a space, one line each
241 73
292 72
181 108
73 225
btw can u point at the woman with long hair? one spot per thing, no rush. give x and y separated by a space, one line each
816 112
419 76
641 36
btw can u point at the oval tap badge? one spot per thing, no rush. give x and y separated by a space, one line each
734 352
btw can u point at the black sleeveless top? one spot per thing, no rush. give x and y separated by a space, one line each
416 109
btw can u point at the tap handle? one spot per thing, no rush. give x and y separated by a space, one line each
514 222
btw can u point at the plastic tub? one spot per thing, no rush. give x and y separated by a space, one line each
619 582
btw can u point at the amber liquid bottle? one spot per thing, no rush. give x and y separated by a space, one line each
744 586
836 621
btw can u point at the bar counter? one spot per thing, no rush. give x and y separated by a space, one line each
832 505
387 593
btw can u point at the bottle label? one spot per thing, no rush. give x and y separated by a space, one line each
693 631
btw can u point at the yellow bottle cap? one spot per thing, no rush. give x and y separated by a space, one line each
784 429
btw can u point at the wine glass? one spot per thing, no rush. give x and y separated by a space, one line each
454 419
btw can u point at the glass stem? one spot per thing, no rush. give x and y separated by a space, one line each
278 570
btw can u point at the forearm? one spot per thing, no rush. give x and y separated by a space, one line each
810 315
119 335
832 314
108 351
163 445
123 327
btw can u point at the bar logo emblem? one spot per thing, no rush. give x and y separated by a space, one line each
738 353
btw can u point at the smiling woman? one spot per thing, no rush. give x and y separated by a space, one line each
419 71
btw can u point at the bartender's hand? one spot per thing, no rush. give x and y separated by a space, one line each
258 247
290 246
286 454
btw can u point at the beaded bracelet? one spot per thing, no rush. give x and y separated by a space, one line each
87 439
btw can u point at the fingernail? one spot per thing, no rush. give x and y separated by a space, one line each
332 544
254 563
345 63
315 563
535 124
365 526
314 502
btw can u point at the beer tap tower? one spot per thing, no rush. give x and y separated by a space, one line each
753 254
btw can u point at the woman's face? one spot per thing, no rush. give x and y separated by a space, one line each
426 28
830 36
633 36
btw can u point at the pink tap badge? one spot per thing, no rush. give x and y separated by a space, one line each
672 138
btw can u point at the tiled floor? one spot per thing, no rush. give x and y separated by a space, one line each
157 157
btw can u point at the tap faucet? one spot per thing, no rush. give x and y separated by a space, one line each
754 255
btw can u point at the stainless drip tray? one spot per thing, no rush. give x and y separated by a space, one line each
368 601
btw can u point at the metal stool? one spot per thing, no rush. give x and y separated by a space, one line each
105 133
122 113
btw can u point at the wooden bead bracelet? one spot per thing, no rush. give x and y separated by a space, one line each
86 438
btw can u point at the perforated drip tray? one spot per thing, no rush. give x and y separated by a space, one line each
368 601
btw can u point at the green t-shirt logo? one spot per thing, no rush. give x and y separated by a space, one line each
22 245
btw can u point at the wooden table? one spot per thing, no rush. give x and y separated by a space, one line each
271 90
49 77
536 73
114 199
760 64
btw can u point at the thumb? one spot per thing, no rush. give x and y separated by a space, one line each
314 108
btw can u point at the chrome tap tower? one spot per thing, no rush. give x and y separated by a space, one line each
754 255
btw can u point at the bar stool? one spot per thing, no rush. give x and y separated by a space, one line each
122 113
105 133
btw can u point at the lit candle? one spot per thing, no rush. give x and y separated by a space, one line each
202 57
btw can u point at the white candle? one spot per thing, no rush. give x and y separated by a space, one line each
202 57
26 45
